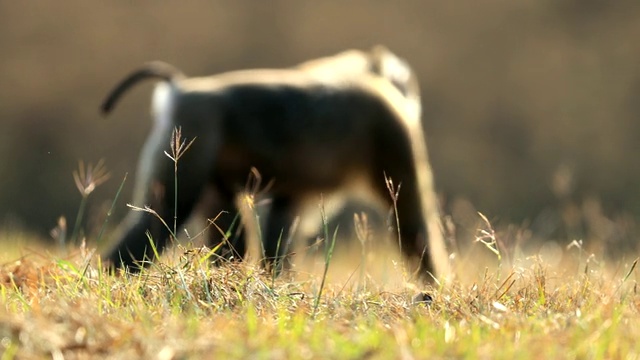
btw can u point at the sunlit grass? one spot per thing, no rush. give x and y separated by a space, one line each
182 307
363 302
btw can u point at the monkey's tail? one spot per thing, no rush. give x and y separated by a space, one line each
155 69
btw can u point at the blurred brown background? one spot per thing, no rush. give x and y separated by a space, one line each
531 107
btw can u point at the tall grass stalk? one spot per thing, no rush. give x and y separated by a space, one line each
178 147
113 204
79 218
277 262
488 237
329 246
87 179
394 193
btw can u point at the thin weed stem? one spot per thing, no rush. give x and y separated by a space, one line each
87 179
178 147
488 237
395 193
328 254
79 216
277 262
113 204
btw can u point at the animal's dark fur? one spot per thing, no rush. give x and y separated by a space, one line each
308 132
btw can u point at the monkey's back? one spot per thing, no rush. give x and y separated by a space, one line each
281 121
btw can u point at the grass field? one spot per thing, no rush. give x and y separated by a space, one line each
65 307
559 301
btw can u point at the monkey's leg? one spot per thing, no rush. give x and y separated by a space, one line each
226 230
395 159
277 236
411 226
134 248
413 232
157 185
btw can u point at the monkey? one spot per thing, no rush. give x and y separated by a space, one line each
379 60
308 129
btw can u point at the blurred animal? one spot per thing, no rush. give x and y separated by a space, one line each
310 129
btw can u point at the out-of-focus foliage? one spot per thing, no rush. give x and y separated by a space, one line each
531 106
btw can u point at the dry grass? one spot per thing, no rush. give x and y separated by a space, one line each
500 303
182 307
